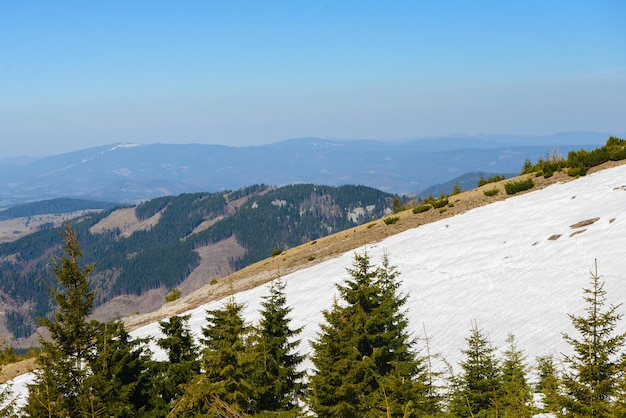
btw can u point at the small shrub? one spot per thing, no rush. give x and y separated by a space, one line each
421 208
457 189
276 251
397 204
439 203
173 295
491 192
371 225
213 281
442 210
482 181
391 220
311 258
517 186
576 171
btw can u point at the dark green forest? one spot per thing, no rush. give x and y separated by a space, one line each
269 218
53 206
365 362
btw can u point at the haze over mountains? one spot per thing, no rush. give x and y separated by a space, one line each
130 172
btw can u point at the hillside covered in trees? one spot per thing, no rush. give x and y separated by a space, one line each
261 219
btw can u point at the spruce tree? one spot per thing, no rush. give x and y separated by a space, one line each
548 384
226 386
120 373
516 399
591 381
364 358
279 383
338 384
182 366
85 368
479 387
59 388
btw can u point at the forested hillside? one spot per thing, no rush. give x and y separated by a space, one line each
53 206
262 219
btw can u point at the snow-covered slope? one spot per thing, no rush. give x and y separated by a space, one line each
495 264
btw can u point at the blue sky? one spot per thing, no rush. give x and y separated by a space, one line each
75 74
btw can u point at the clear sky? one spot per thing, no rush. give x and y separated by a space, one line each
75 74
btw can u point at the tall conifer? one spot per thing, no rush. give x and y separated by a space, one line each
591 381
85 368
364 358
59 388
279 383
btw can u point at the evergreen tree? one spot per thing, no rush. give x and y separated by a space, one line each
364 358
591 380
59 388
85 368
279 383
516 400
120 373
479 387
182 366
226 387
338 383
548 384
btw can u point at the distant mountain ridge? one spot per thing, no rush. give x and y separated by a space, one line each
132 173
53 206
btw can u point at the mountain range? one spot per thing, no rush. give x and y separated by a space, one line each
129 173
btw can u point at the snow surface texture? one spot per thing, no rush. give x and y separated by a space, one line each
494 265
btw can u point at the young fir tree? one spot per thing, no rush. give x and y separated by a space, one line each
59 388
479 387
548 384
120 375
364 358
85 368
516 399
278 381
182 366
226 387
591 381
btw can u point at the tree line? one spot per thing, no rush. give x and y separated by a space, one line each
365 363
